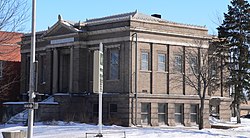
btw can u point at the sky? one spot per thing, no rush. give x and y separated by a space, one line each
196 12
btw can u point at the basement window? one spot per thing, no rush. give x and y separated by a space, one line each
145 113
112 110
162 113
194 113
179 113
95 110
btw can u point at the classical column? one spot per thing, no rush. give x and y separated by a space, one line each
55 71
71 69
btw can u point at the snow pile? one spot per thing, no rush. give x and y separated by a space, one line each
216 122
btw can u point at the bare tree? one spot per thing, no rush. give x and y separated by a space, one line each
13 15
201 73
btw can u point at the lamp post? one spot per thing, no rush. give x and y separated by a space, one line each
32 73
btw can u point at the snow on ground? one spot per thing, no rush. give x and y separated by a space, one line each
76 130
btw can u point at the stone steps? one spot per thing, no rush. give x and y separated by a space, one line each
22 117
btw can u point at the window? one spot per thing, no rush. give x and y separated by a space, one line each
162 112
1 69
213 63
215 111
95 110
64 75
114 62
42 69
161 62
194 113
144 61
213 71
178 63
213 67
193 65
179 113
112 110
145 113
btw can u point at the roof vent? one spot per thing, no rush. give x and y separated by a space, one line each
156 15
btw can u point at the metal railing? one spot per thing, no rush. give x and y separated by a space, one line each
107 134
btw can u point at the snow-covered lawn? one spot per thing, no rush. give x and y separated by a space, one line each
77 130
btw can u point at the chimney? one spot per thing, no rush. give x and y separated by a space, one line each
156 15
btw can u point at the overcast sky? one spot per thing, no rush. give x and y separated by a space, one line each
196 12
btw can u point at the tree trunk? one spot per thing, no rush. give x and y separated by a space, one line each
234 110
236 104
238 113
201 120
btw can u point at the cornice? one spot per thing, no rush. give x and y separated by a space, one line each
140 29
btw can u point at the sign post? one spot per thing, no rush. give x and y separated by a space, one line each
98 82
32 73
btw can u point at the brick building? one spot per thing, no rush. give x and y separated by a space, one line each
133 95
10 67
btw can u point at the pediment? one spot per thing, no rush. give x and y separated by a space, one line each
60 28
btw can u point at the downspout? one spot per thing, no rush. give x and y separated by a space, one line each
136 96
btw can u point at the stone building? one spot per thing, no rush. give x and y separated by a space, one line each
138 71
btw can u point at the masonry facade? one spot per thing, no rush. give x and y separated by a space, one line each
10 67
141 59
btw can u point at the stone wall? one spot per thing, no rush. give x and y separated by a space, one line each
47 112
80 108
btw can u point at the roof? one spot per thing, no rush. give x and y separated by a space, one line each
135 16
9 47
110 18
76 26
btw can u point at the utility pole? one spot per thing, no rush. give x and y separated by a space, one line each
32 73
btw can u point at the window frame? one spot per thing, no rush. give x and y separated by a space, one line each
95 110
112 114
114 65
144 63
213 67
180 113
215 111
163 64
145 113
193 65
42 67
194 114
164 113
178 63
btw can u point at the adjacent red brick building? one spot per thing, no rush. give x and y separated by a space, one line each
10 63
